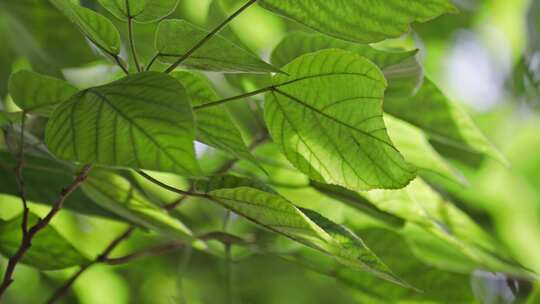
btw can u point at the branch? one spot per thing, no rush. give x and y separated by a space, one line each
209 36
26 242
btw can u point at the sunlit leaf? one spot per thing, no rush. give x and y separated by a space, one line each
34 92
140 121
49 249
326 116
215 127
94 26
442 120
360 20
174 38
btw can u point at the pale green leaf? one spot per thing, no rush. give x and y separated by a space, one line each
215 126
114 193
326 116
49 249
36 93
417 150
270 210
360 20
143 11
442 120
401 69
141 121
174 38
94 26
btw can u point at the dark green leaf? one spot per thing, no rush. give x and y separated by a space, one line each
360 20
34 92
326 116
49 249
174 38
140 121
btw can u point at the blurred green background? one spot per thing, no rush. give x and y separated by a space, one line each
487 58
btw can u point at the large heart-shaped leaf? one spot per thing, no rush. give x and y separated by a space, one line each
34 92
360 20
94 26
141 121
143 11
326 116
49 249
269 209
215 126
401 69
442 120
174 38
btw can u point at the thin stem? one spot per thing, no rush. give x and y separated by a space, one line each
60 292
170 188
26 242
20 179
209 36
156 56
131 38
157 250
218 102
119 63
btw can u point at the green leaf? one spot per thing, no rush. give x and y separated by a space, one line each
176 37
435 284
215 126
116 194
45 179
401 69
49 251
360 20
270 210
141 121
415 147
326 116
94 26
442 120
34 92
358 202
297 44
143 11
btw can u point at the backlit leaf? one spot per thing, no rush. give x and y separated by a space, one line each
143 11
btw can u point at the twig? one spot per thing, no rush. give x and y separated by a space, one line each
26 242
60 292
209 36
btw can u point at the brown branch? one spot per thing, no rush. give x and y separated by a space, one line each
60 292
26 242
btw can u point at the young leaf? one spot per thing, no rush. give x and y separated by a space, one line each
36 93
360 20
142 121
175 37
116 194
215 126
143 11
270 210
401 69
94 26
49 249
442 120
326 116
